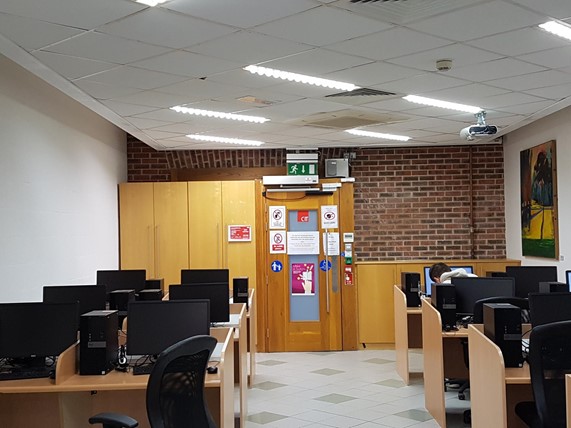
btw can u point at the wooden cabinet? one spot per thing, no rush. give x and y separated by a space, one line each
166 227
153 224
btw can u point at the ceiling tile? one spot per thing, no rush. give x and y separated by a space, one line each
151 99
132 77
509 99
533 80
461 55
145 124
72 67
479 21
316 62
243 14
173 30
335 25
519 42
123 109
187 64
496 69
102 91
422 83
73 13
32 34
382 45
249 48
558 9
301 108
103 47
525 109
374 73
194 90
557 92
553 58
475 94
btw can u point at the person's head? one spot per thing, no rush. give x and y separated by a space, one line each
437 270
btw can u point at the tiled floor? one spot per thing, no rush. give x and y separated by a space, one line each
340 389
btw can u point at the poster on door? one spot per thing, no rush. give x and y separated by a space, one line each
277 216
302 243
302 279
277 241
329 217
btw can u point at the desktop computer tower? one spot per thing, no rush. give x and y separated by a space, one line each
410 284
553 287
119 300
240 290
502 325
98 342
150 295
444 300
155 284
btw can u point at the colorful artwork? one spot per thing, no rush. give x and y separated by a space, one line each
539 201
302 279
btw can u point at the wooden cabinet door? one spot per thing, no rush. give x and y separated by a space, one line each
136 227
171 230
239 208
205 225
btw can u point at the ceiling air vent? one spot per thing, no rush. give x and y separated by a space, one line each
361 92
347 119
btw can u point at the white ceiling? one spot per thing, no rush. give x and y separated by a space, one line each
130 63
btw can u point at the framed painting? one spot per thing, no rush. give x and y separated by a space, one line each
539 231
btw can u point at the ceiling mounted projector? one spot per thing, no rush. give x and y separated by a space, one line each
479 130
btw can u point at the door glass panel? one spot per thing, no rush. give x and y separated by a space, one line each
303 271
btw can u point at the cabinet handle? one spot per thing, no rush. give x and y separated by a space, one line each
157 251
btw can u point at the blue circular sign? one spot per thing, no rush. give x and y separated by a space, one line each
277 266
325 265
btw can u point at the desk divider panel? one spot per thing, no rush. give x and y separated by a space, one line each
401 335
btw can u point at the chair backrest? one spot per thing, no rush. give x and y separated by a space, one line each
549 361
175 392
516 301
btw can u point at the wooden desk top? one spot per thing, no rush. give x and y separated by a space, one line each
113 380
461 333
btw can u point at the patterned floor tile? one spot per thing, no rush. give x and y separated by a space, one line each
327 372
335 398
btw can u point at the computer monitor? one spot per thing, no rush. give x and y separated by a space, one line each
37 330
90 297
155 325
527 278
568 278
545 308
428 281
203 276
133 279
470 290
217 292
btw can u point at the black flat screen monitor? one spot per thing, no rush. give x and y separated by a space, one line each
37 329
470 290
122 279
527 278
428 281
153 326
90 297
545 308
203 276
217 292
568 278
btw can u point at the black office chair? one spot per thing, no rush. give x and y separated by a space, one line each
549 361
175 392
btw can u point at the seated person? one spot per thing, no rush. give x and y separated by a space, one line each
441 273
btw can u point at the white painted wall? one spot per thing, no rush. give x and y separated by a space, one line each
60 165
554 127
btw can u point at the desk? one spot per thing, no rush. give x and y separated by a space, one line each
408 333
71 399
240 357
443 355
494 389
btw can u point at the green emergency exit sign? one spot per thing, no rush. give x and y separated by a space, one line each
301 168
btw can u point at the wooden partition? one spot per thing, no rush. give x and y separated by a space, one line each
375 297
408 333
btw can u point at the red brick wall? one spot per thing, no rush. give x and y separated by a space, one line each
409 203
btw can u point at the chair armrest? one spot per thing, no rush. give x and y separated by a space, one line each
114 420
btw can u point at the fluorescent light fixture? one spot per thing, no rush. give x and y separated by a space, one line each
362 133
300 78
151 3
558 29
225 140
219 114
442 104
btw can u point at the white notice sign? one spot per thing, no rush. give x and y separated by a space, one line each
302 243
277 217
277 241
331 243
329 217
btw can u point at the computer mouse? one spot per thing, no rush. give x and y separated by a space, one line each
212 370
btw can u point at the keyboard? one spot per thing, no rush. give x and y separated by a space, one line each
25 374
143 369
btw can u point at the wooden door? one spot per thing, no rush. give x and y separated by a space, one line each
306 318
171 230
205 225
136 227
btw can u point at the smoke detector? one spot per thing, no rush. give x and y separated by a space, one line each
444 64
